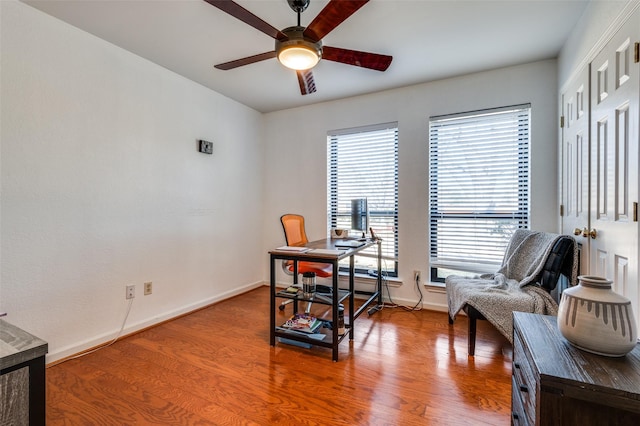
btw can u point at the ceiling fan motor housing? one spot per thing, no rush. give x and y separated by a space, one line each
296 38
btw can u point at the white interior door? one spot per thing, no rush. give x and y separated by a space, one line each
615 89
575 163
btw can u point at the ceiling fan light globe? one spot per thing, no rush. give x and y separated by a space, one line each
298 57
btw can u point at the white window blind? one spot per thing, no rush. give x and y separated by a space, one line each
479 186
363 162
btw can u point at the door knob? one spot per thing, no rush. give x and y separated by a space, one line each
593 233
577 231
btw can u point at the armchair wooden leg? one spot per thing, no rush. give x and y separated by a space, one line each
450 319
472 335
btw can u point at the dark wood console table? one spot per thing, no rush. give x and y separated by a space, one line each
22 377
554 383
332 339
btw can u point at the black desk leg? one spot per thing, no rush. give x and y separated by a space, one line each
272 313
352 290
378 293
37 392
336 294
380 302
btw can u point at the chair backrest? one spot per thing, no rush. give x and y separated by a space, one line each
558 263
294 233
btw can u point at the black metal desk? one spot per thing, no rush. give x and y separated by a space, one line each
333 339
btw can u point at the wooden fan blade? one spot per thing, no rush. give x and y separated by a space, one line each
245 61
307 84
333 14
239 12
369 60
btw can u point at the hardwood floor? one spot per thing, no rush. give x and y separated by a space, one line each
216 367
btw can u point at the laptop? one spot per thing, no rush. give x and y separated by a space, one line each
349 243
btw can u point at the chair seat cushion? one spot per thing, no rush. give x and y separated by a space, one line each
496 297
321 269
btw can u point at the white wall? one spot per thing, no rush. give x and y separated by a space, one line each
584 39
295 175
102 186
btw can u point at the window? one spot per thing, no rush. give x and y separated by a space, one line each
363 162
478 187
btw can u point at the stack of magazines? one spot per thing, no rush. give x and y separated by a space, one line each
302 322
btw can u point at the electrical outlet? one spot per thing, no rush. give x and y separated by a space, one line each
148 288
131 292
416 276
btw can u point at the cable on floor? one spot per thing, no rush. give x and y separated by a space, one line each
391 304
111 342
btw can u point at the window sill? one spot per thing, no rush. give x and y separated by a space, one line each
369 280
435 287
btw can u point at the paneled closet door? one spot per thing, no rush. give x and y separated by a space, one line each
575 163
615 117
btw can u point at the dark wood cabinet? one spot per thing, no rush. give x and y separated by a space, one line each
554 383
22 377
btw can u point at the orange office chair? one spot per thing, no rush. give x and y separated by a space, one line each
295 235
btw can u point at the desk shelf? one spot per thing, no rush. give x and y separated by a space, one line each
327 341
342 295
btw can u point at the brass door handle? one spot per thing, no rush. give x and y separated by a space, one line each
586 233
593 233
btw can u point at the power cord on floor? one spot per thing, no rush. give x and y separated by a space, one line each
391 304
418 305
111 342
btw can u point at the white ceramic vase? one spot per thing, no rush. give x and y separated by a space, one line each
594 318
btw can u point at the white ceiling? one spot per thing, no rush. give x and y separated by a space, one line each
428 39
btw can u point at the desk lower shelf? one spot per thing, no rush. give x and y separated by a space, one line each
326 341
342 295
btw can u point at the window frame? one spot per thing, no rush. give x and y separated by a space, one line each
336 210
518 217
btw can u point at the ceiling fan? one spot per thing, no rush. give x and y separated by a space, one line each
300 48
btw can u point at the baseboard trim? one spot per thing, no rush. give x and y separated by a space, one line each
77 349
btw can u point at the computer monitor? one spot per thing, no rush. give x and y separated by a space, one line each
360 215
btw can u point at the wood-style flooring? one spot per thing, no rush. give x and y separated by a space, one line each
216 367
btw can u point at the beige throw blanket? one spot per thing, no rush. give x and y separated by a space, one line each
512 287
